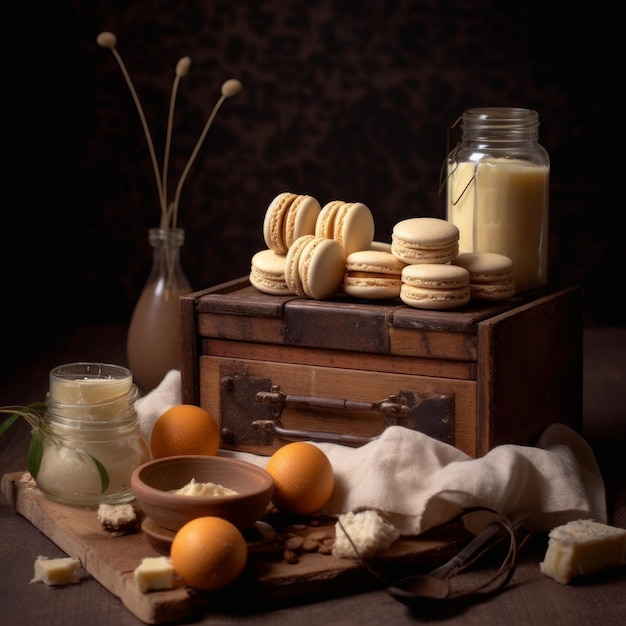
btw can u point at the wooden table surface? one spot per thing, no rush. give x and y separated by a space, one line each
530 598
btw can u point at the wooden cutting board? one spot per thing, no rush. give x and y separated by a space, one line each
267 580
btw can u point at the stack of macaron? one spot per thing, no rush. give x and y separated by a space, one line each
316 252
437 276
427 245
307 245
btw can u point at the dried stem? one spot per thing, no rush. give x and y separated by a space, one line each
146 130
229 88
169 213
192 158
181 70
109 40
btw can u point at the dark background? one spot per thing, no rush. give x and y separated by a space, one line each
342 100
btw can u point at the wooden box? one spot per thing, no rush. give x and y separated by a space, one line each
275 369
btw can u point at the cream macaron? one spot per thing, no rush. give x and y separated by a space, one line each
314 267
373 274
435 286
292 274
349 223
425 240
491 274
288 217
267 273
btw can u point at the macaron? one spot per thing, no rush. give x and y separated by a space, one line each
491 274
325 225
267 272
288 217
314 267
292 274
373 274
425 240
349 223
435 286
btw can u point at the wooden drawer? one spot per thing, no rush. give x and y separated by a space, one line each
276 369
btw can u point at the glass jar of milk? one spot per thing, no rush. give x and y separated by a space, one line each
90 436
498 190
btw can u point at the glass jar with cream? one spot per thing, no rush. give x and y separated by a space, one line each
497 187
91 441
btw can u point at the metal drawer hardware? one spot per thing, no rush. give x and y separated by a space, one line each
273 427
251 408
276 399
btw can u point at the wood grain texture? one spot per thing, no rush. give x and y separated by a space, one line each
112 560
511 368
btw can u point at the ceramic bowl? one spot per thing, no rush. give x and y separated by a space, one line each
154 482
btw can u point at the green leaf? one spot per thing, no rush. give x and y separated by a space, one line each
104 475
35 453
7 422
32 413
38 407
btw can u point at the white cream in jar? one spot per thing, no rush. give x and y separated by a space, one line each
90 436
91 390
73 452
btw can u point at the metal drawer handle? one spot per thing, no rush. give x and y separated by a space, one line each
390 409
252 406
272 427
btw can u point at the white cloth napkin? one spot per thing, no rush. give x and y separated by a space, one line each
420 482
150 407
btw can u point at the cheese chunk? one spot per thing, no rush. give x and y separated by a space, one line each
583 547
369 532
56 571
154 573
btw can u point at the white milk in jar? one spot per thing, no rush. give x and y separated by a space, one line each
498 190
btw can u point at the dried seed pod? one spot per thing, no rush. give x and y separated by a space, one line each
182 67
107 39
231 88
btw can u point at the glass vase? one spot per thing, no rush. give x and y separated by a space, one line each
153 343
